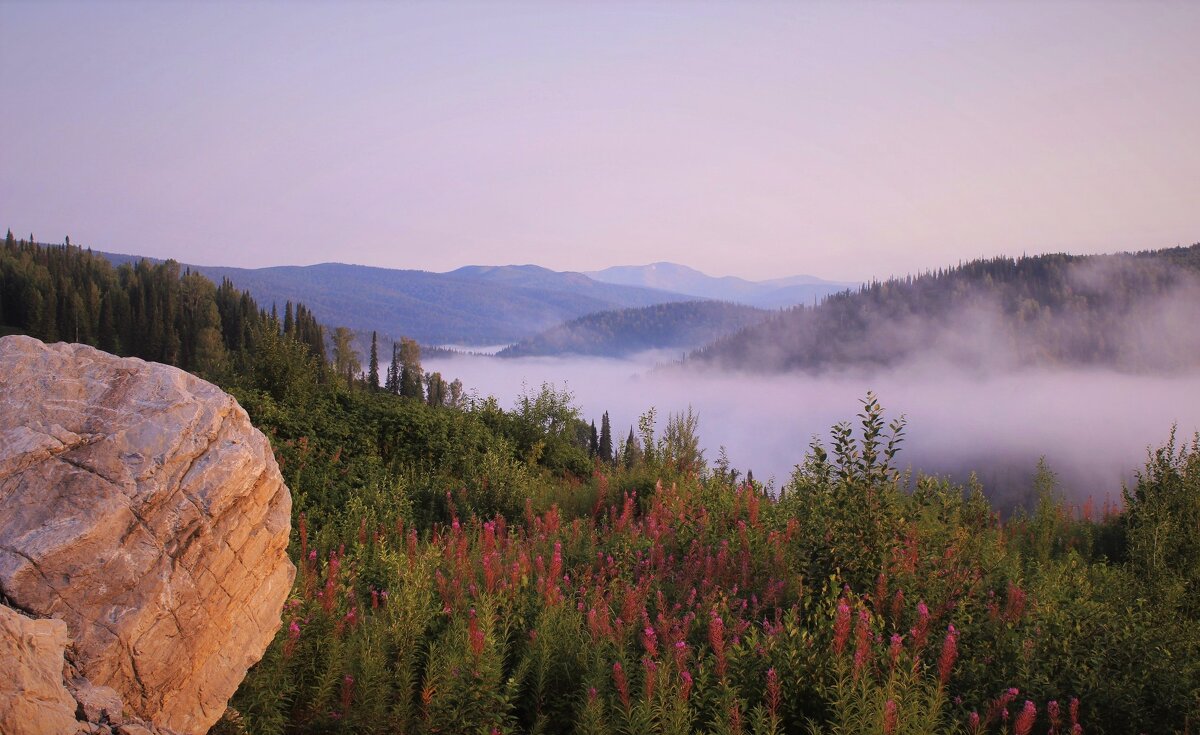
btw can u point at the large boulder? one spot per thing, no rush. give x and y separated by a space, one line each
140 507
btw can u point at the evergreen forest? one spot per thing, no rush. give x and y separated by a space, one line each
467 567
1133 312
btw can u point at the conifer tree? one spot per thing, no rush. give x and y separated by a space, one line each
373 368
605 442
593 442
631 453
392 384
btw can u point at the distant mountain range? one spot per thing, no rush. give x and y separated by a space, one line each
485 305
677 326
772 294
470 306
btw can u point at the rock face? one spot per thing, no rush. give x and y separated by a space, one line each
140 507
32 695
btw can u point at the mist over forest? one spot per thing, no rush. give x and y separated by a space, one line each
1093 426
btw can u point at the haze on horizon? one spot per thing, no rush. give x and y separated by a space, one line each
848 141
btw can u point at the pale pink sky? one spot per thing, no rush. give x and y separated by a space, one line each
757 139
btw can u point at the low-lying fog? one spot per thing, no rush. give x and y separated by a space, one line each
1093 427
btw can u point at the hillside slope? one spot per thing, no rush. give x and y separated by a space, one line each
1133 312
679 326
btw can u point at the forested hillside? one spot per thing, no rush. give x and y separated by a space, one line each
679 326
468 568
1131 312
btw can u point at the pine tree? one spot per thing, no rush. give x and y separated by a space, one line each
373 368
593 442
631 453
605 442
393 375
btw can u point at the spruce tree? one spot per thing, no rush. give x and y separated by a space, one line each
373 366
631 453
593 442
393 375
605 443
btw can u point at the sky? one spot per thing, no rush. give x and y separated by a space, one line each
844 140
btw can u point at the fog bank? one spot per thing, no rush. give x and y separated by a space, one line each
1093 426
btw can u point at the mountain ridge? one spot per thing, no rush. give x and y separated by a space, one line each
770 294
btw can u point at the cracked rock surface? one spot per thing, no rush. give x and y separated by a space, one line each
140 507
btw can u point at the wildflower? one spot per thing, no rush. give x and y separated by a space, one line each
475 635
772 692
841 627
686 690
650 640
897 644
862 642
889 717
716 639
1073 709
681 654
735 718
622 683
293 636
920 634
1055 715
1024 723
651 672
949 654
973 723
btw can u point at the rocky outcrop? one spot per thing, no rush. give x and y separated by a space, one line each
32 694
139 507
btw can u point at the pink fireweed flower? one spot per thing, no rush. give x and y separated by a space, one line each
949 654
716 639
651 676
772 692
289 646
621 683
890 717
862 642
1025 720
681 654
1073 710
686 689
973 723
841 627
920 634
650 640
735 718
1054 714
475 635
897 645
